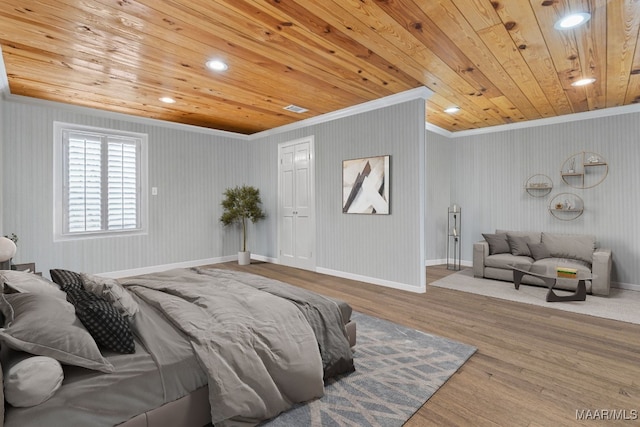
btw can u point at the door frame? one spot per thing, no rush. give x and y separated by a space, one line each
312 166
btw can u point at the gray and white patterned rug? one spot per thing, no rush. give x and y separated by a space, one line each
397 370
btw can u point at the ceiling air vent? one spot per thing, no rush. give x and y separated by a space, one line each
295 109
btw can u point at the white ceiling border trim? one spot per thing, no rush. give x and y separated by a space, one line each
409 95
4 80
587 115
398 98
124 117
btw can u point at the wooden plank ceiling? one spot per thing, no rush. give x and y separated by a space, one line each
499 61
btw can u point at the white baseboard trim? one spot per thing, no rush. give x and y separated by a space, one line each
432 262
263 258
345 275
375 281
626 286
164 267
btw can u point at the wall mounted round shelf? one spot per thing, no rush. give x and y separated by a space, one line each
538 185
566 206
585 169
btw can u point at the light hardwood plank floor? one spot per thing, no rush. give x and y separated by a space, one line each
535 366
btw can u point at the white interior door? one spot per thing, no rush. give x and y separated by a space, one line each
296 223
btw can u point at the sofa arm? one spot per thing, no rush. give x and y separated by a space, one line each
480 251
601 268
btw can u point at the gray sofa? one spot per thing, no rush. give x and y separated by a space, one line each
493 256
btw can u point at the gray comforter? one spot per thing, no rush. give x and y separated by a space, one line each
323 314
259 351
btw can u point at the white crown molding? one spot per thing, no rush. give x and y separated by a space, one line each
435 129
4 80
587 115
409 95
124 117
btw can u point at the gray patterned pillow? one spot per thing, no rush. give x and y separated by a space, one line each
103 321
65 278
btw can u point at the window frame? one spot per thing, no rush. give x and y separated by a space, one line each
59 182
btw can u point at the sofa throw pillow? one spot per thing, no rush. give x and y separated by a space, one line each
40 324
498 243
106 325
539 251
519 245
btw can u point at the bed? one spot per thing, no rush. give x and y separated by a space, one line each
184 347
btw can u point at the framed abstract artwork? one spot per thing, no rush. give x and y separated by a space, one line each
365 185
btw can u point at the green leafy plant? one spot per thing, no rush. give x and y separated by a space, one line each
241 204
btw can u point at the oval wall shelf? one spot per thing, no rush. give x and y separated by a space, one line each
566 206
585 169
538 185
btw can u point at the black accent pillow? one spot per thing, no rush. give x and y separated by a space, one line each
539 251
498 243
104 322
519 245
66 278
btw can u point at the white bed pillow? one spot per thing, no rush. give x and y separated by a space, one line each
31 380
112 291
42 325
22 281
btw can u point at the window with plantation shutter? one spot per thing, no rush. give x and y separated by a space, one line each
101 184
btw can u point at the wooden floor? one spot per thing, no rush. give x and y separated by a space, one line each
534 366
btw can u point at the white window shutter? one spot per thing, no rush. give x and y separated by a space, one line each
101 189
122 185
84 183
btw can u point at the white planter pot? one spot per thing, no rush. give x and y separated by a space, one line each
244 258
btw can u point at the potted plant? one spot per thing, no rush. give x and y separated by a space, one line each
241 204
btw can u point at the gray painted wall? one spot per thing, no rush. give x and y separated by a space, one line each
484 174
190 170
488 173
439 151
2 233
386 247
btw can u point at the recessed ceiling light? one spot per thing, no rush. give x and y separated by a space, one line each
572 21
452 110
167 100
217 65
583 82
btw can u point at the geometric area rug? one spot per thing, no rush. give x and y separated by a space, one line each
397 370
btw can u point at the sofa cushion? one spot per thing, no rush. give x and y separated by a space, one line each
498 243
571 246
539 251
519 245
565 262
506 260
